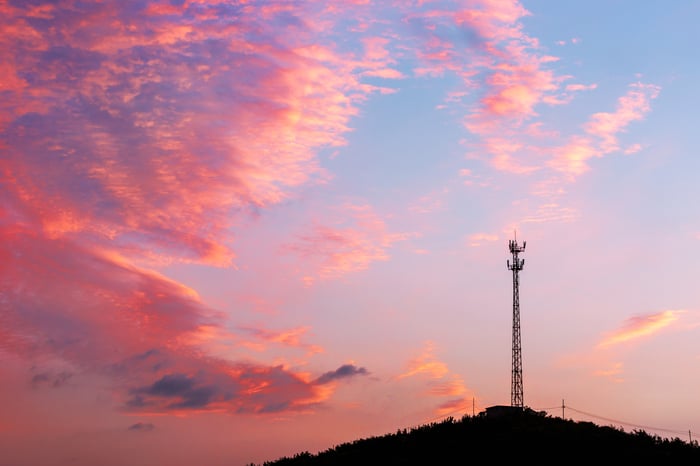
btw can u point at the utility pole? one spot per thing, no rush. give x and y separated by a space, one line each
562 409
516 387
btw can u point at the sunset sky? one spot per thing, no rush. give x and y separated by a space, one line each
236 230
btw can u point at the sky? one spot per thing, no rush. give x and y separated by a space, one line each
236 230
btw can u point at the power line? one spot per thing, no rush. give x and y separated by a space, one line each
625 423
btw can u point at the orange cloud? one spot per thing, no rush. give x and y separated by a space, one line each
641 326
291 338
454 386
613 373
441 382
458 405
426 364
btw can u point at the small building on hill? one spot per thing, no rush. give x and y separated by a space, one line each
499 411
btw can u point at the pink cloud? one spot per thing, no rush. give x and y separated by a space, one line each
477 239
602 131
472 179
580 87
493 19
552 212
376 49
631 107
504 74
506 77
503 152
386 73
633 149
378 61
149 134
131 139
351 246
515 90
429 203
515 78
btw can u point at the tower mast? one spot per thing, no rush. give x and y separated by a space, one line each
516 386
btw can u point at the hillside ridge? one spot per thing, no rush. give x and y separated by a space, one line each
503 433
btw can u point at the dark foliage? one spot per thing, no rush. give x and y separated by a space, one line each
522 436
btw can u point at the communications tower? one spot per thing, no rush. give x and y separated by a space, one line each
516 386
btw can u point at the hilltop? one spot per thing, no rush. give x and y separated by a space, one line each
504 434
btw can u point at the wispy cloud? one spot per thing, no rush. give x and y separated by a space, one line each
291 338
551 212
641 326
580 87
426 364
441 382
602 131
350 245
631 107
613 373
478 239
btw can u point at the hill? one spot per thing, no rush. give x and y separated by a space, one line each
505 434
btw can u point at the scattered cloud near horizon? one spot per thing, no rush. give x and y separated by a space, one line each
441 382
141 427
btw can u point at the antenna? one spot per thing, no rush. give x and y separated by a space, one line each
517 264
